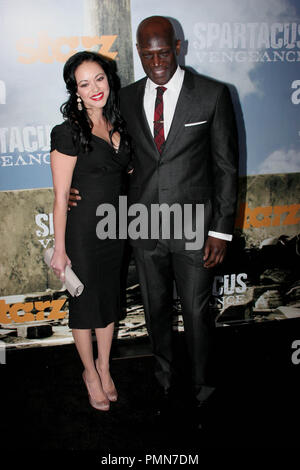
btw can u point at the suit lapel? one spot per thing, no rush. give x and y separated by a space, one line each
181 114
141 117
184 104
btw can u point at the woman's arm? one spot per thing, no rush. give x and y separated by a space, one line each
62 167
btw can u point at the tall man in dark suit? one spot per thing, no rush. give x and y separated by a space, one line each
185 151
189 158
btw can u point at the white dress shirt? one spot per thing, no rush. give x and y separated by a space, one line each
170 98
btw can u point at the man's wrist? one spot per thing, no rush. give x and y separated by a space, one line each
222 236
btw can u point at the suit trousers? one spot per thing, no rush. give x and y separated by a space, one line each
157 269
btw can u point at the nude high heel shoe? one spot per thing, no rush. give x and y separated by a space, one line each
111 393
103 405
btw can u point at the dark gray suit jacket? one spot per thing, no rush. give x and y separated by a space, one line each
198 163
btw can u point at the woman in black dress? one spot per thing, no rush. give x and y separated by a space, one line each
90 149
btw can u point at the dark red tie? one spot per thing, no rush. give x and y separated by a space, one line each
159 135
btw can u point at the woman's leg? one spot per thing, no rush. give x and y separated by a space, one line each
104 340
84 345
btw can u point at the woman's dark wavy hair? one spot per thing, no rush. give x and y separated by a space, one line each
79 121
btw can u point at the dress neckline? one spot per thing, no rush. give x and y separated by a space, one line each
107 143
101 138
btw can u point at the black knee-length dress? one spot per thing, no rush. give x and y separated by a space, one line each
99 177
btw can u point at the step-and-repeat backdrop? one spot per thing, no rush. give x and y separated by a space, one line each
252 46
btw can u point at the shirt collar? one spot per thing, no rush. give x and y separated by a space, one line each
173 84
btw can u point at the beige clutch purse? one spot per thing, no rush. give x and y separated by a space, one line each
72 283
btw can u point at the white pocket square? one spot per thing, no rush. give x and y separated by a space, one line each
194 123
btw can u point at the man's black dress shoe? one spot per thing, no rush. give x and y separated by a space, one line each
204 411
163 402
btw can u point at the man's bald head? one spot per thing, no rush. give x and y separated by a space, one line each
158 48
155 26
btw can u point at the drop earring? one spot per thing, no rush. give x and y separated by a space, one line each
79 104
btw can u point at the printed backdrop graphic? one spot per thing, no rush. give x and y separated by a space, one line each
254 47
